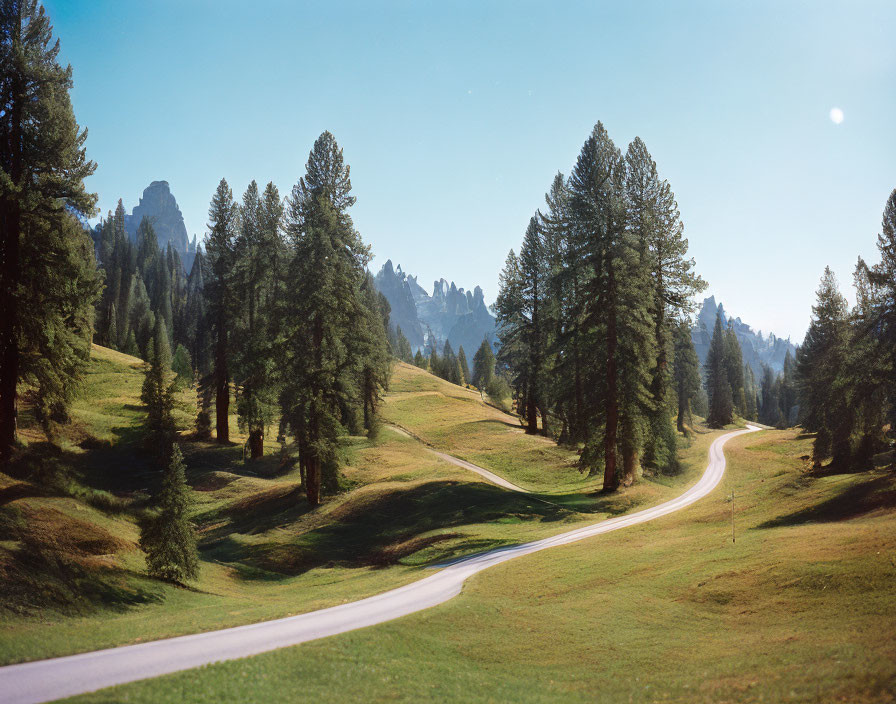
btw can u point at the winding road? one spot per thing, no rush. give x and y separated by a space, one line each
46 680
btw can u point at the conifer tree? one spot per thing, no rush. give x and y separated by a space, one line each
567 276
158 395
653 218
419 360
372 351
257 252
718 386
483 366
403 347
167 537
770 393
435 364
750 393
46 302
616 315
519 319
323 312
219 295
182 366
112 331
686 371
883 278
450 367
787 397
734 365
819 375
464 367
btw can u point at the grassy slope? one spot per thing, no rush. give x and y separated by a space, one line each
264 555
799 609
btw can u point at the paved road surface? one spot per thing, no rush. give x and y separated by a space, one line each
46 680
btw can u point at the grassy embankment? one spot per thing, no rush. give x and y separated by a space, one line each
73 579
800 608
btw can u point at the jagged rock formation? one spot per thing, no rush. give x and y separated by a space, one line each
450 313
159 205
755 348
394 285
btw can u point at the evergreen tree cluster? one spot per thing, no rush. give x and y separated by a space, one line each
732 389
845 371
448 365
279 314
48 278
290 322
591 313
143 284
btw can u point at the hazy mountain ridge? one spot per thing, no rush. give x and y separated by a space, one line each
755 348
449 314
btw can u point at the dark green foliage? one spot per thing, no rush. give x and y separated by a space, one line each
586 311
142 283
621 345
220 297
686 372
403 347
483 366
420 360
751 393
770 399
462 362
654 220
450 367
334 358
820 380
718 385
734 367
519 309
257 284
167 536
158 395
373 353
182 366
787 392
46 301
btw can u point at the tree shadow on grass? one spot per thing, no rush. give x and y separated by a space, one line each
852 502
375 531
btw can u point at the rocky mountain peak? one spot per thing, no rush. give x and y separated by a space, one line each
160 206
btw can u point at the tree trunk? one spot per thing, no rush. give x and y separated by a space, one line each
682 409
256 443
531 416
611 481
222 398
629 463
312 481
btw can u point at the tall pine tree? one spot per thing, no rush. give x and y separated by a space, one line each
46 301
220 300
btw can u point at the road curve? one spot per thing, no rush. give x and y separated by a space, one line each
490 476
46 680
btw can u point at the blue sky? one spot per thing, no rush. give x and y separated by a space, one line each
455 116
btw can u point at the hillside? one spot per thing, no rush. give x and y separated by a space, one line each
73 577
798 609
696 617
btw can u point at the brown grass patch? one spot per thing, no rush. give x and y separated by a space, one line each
51 528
